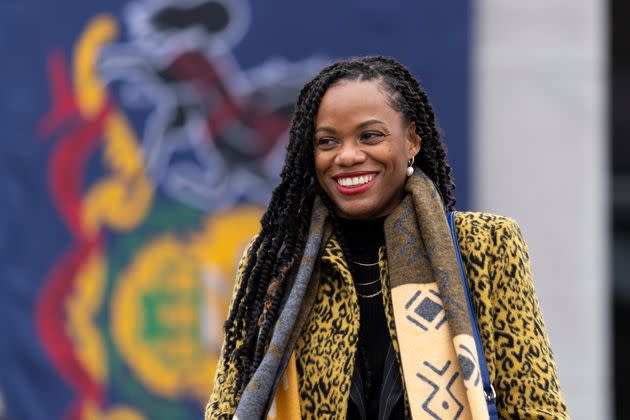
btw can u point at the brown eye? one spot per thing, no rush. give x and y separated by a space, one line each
371 136
325 143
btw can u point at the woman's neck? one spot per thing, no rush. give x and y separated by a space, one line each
363 237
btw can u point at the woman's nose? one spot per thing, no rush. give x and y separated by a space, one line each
350 155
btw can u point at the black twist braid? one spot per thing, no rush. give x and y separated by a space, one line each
284 226
278 225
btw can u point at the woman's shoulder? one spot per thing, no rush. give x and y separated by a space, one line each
476 230
481 220
479 223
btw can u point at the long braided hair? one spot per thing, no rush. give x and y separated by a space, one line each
284 226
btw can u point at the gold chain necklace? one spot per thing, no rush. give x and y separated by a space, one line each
370 296
364 264
368 283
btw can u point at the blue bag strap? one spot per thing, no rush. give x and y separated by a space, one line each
488 389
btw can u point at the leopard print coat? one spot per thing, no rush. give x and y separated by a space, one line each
515 342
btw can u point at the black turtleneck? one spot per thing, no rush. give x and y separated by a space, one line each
363 238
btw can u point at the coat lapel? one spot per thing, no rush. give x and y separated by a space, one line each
391 388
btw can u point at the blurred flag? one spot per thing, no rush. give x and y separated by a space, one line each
141 143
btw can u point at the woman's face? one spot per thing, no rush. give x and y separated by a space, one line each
361 149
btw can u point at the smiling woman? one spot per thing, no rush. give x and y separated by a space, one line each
353 301
362 149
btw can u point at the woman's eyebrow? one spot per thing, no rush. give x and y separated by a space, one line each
326 129
358 127
368 122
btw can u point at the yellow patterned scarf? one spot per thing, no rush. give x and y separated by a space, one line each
438 353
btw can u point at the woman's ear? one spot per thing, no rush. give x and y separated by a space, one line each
414 142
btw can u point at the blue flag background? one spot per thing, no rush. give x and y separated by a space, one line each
141 141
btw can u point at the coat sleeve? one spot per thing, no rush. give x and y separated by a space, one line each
224 396
525 380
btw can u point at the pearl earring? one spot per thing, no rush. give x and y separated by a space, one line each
410 167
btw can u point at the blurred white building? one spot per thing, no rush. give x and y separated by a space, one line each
541 143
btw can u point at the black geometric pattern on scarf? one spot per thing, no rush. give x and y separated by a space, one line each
439 410
426 309
467 365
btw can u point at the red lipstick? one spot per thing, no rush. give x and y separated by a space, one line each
359 188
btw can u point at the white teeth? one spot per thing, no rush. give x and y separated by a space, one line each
355 181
